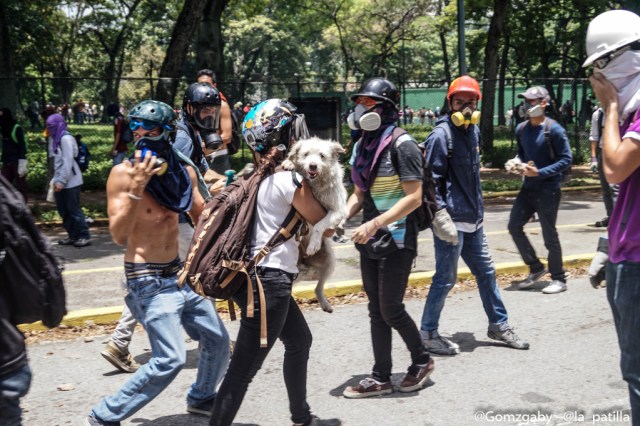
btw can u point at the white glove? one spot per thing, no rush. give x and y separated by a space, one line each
444 228
597 269
22 168
594 164
514 165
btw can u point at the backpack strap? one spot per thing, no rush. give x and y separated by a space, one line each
14 133
547 137
288 229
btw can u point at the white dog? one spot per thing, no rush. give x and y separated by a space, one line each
317 161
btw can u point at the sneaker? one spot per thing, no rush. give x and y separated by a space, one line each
316 421
92 420
554 287
67 242
368 387
203 408
509 337
437 344
602 223
122 360
82 242
417 376
531 279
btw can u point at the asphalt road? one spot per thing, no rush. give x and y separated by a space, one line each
570 371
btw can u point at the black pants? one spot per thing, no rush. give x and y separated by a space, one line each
546 203
285 322
385 281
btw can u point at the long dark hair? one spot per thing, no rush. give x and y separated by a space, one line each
269 161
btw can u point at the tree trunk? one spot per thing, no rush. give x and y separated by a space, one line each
8 93
496 29
209 42
181 38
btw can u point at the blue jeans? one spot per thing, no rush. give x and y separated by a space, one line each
68 204
285 322
385 281
13 386
623 293
163 308
119 157
545 203
474 250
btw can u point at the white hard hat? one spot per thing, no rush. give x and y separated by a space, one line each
610 31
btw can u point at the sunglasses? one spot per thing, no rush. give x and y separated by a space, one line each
147 125
603 61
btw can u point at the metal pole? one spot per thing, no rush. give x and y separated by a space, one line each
404 74
461 47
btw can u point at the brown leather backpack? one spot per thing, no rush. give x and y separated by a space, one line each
218 261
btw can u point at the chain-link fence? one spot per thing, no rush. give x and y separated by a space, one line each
84 101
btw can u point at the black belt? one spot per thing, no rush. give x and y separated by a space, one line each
137 270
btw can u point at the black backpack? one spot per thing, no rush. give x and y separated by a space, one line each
30 274
126 135
424 214
218 261
566 173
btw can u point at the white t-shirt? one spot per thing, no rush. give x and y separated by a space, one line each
273 204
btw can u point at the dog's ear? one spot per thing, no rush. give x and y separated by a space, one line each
293 152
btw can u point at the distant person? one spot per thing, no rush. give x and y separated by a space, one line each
609 191
218 157
67 182
613 48
33 114
543 146
14 152
122 135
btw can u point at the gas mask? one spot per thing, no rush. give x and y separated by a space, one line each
465 117
365 119
205 117
212 140
533 110
158 146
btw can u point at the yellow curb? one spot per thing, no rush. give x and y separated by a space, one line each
307 291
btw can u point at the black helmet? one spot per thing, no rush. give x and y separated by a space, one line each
201 93
205 102
381 89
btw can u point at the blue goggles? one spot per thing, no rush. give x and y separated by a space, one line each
147 125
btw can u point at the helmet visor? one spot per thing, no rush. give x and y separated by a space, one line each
206 116
136 123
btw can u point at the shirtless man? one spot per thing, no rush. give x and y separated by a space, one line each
144 201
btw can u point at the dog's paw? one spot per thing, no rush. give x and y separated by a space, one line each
315 242
322 300
288 165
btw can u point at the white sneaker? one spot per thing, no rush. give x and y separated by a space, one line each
554 287
531 279
438 345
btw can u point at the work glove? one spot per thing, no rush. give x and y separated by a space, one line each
514 166
444 228
597 269
22 168
594 164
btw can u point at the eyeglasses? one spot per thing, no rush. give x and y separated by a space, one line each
603 61
366 101
147 125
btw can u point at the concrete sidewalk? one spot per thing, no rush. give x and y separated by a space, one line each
93 274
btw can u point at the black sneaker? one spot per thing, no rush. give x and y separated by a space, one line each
509 337
92 420
603 223
67 241
202 408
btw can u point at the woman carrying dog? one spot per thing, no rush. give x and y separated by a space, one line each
387 187
269 129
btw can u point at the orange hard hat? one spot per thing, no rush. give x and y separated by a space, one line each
464 83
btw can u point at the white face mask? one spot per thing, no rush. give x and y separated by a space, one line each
533 110
364 119
624 73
